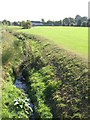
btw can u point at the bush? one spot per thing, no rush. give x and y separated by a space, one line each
27 25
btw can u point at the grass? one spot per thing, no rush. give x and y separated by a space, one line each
11 59
57 82
69 72
0 73
74 39
10 93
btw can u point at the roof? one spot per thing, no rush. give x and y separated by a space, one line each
36 22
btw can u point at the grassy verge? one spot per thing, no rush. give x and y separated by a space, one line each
67 101
12 56
0 73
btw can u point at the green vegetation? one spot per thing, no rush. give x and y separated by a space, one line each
63 82
57 80
73 39
77 21
9 94
12 55
0 73
26 24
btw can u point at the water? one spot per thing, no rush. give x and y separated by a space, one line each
20 83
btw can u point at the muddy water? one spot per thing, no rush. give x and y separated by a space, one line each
20 83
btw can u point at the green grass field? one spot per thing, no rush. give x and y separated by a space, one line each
74 39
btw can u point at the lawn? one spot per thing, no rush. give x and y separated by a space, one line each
74 39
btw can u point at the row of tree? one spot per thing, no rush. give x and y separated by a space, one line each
25 24
77 21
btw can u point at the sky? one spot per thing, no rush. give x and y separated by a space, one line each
18 10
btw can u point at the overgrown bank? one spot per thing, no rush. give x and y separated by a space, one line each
14 101
57 82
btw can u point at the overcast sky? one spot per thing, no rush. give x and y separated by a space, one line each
15 10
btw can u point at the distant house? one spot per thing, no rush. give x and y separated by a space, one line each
37 23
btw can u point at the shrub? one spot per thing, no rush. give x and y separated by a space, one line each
27 25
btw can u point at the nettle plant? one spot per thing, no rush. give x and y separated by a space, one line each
23 104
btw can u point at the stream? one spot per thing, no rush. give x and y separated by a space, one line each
20 83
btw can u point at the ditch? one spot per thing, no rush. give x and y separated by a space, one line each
20 83
51 79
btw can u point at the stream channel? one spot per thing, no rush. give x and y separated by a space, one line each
20 83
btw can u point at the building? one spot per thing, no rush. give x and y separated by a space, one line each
37 23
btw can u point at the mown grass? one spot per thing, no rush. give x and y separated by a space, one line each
74 39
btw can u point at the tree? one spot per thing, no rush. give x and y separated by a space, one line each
19 23
78 20
61 23
88 23
15 23
66 21
72 21
83 19
27 25
22 23
43 21
5 22
56 23
84 24
79 23
50 23
8 23
78 17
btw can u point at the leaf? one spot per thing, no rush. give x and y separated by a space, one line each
16 103
26 112
19 99
62 105
15 100
26 104
31 109
21 106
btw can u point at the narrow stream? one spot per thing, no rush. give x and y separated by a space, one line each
20 83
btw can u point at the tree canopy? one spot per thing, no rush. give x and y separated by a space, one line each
27 24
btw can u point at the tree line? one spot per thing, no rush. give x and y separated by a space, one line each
77 21
25 24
